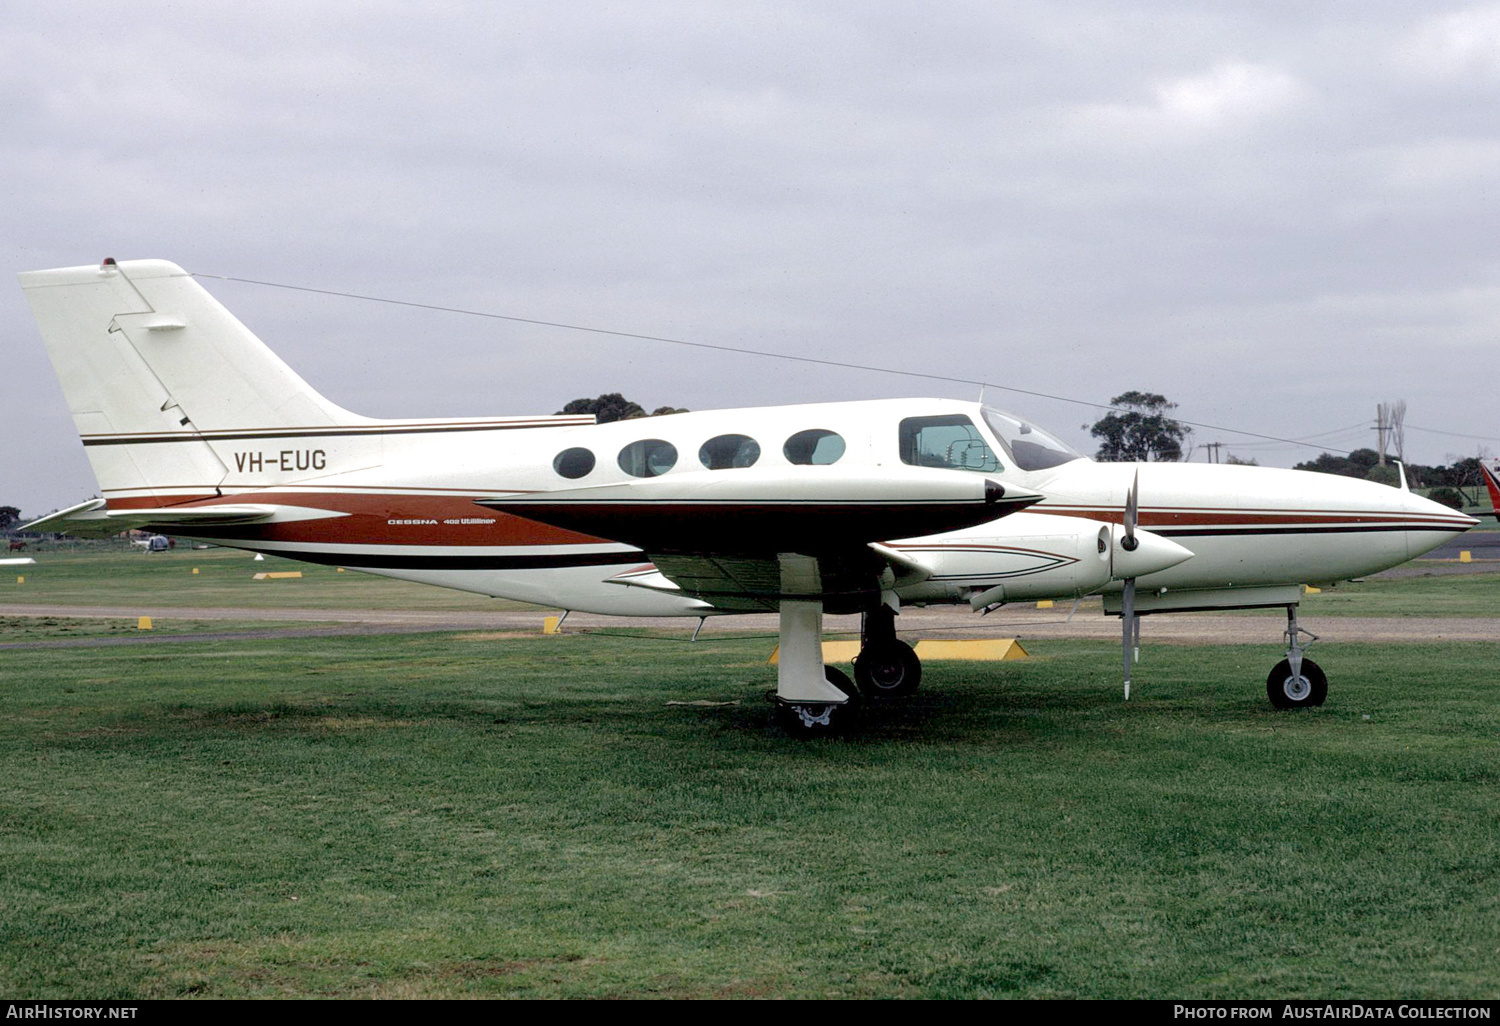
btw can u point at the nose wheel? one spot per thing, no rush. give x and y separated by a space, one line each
1296 682
1288 690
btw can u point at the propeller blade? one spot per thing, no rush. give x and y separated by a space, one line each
1130 624
1132 513
1128 629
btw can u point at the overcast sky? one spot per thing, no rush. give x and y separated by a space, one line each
1276 214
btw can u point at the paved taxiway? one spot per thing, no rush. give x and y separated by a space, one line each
1010 622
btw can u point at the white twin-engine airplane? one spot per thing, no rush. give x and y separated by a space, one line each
195 428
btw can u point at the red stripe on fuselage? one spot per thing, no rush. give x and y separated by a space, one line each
373 519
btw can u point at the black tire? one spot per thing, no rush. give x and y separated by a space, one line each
887 669
1305 692
821 719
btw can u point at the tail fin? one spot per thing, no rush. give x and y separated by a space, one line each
1492 482
147 357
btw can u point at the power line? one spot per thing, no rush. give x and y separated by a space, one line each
732 349
1453 434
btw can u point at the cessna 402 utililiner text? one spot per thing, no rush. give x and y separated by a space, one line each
195 428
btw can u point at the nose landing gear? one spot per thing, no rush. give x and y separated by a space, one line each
1296 682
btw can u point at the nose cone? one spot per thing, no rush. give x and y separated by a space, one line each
1152 553
1434 523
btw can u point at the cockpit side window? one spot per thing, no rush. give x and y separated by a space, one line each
951 441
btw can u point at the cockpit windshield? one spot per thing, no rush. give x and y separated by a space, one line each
1030 447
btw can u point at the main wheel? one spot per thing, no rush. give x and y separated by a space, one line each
1304 691
887 669
821 719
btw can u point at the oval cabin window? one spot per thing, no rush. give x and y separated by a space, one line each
573 463
815 447
728 452
650 457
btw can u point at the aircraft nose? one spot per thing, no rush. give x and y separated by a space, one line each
1438 524
1153 553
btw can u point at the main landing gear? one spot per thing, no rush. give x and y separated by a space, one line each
1296 682
821 719
814 700
886 666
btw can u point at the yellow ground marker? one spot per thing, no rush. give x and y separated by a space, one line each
143 623
20 580
1465 556
1044 604
976 649
195 569
277 575
1310 590
552 625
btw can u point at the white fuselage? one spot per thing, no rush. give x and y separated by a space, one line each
400 502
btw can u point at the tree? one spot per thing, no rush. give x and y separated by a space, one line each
1139 429
9 517
1450 497
1357 464
612 406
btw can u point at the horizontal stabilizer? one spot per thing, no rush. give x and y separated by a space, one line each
92 519
85 520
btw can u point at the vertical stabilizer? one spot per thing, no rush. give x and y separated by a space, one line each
151 363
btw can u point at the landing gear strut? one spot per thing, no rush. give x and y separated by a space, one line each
812 700
886 666
1296 682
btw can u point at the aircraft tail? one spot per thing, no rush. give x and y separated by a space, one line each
1492 482
154 369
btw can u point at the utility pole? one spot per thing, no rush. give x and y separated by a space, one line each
1212 448
1380 428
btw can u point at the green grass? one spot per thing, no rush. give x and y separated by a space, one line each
107 575
1439 595
102 575
437 816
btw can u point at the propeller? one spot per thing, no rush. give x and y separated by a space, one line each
1130 624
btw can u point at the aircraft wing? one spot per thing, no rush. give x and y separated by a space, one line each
721 537
794 509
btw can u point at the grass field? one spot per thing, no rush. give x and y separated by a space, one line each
456 815
435 816
115 577
109 575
